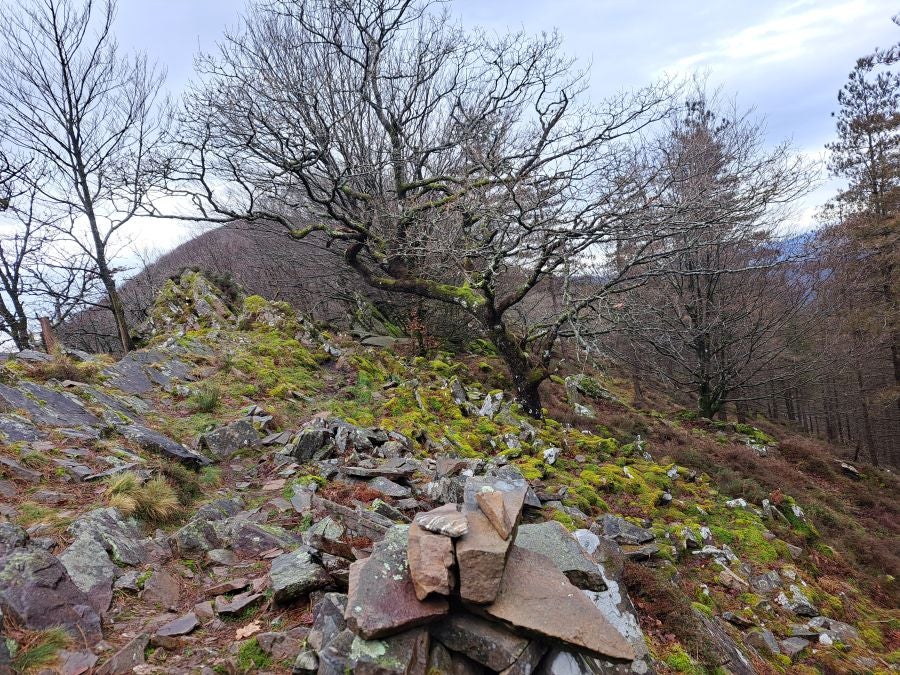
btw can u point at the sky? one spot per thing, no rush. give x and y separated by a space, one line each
784 59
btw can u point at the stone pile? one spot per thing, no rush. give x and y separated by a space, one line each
464 588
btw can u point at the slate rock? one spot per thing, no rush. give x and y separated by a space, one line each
402 654
447 520
14 429
765 583
623 532
225 441
19 471
180 626
296 574
237 604
389 488
553 540
333 657
155 442
306 663
37 593
11 537
381 598
538 599
162 589
793 646
75 662
483 641
528 660
124 661
280 646
431 559
798 602
763 640
328 620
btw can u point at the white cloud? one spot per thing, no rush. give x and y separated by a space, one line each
792 32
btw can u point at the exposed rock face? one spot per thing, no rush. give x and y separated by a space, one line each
155 442
381 598
430 562
623 532
537 597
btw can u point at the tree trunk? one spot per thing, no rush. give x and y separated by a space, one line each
526 379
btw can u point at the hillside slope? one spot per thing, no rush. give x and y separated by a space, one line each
206 503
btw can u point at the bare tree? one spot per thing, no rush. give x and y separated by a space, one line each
452 166
718 316
87 117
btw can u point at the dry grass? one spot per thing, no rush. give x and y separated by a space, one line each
62 367
154 501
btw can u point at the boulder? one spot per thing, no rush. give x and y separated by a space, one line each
487 643
623 532
225 441
537 598
403 654
381 598
37 593
553 540
115 534
90 568
296 574
798 602
431 561
127 658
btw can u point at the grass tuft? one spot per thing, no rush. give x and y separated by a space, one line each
39 650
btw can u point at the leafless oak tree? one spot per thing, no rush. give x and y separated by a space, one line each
454 166
86 117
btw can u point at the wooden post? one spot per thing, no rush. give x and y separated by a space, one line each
50 341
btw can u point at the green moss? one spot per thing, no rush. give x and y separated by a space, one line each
251 657
678 660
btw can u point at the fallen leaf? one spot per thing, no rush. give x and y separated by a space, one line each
251 628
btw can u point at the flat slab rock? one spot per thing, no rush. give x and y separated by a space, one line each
483 641
431 561
403 654
623 532
447 520
381 598
553 540
538 599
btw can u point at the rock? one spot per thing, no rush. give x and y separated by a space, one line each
481 552
388 487
384 509
739 503
731 580
11 537
333 657
764 640
124 661
798 603
640 553
403 654
280 646
45 406
19 471
90 568
180 626
721 644
536 597
225 441
480 640
306 663
431 561
550 455
766 583
237 604
493 506
528 660
792 646
737 620
118 536
310 444
381 597
162 589
491 406
296 574
152 441
447 520
623 532
328 620
14 428
553 540
835 629
75 663
36 592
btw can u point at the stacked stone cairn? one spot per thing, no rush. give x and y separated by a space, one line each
455 592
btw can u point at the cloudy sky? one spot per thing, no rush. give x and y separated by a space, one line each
785 59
